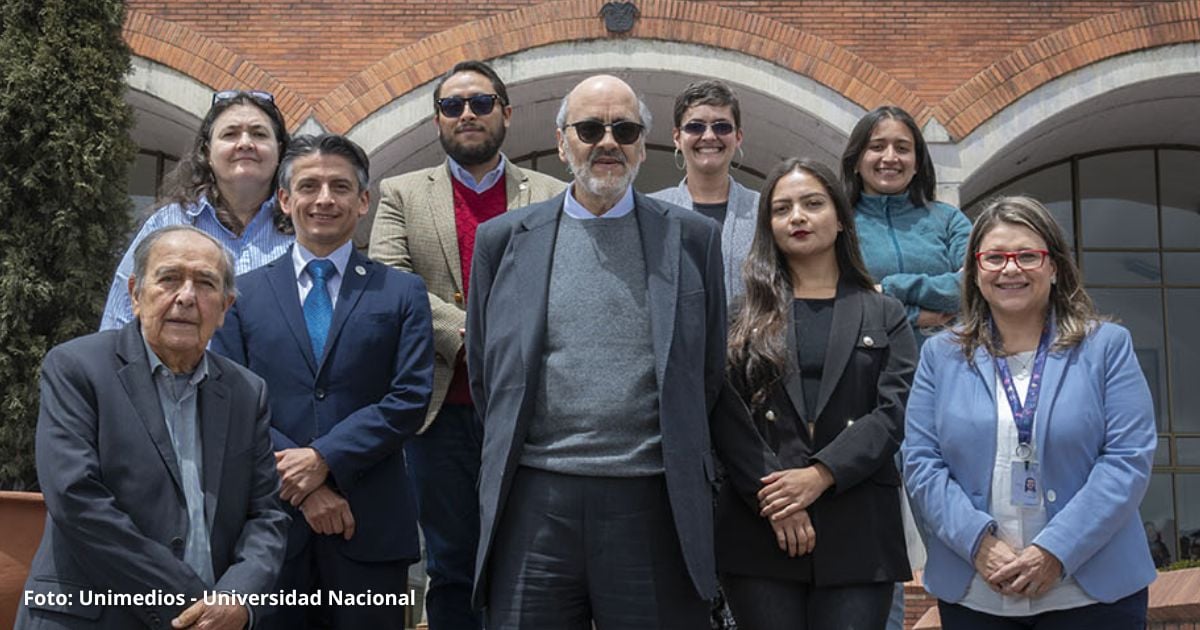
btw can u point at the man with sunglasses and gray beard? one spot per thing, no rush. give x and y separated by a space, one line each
426 224
595 350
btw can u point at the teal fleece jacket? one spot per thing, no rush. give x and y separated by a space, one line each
915 253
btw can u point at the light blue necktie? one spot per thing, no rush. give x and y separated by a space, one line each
318 308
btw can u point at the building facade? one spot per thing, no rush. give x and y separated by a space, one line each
1091 106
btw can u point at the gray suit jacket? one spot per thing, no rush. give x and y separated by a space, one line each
415 231
116 516
506 326
736 234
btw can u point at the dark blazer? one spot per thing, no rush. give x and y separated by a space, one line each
859 424
506 326
116 514
359 403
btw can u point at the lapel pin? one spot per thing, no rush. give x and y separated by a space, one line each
868 341
770 415
360 270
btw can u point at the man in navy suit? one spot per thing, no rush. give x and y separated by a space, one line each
345 346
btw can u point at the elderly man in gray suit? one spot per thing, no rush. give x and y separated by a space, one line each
595 349
155 461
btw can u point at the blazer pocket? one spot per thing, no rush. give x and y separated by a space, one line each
59 591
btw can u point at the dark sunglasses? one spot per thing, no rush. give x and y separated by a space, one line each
698 127
228 95
453 106
592 131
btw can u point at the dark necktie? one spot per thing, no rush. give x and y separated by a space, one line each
318 308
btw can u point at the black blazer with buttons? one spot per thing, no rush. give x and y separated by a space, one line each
858 427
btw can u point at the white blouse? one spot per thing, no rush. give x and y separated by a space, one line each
1017 525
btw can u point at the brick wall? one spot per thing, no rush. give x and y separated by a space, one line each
959 60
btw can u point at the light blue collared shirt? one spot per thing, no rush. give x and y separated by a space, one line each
259 244
465 178
576 210
340 258
177 394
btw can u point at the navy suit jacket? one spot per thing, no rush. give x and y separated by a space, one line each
506 326
358 403
116 514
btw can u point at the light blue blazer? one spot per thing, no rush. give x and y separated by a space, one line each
1095 436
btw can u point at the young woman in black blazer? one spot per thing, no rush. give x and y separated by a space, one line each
822 363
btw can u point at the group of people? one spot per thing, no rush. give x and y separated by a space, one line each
604 408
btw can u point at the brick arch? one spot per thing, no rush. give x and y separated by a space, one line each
567 21
1065 51
207 61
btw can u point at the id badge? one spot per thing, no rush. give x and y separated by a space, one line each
1026 485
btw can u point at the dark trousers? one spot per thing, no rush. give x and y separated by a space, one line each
1128 613
571 551
443 469
760 603
320 566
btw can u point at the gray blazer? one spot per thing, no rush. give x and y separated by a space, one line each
116 516
506 327
736 234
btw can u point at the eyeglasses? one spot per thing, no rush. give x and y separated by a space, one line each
592 131
229 95
1025 259
698 127
454 106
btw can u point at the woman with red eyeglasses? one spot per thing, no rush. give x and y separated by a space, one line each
707 134
1029 441
224 186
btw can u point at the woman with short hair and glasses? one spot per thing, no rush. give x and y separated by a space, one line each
707 133
224 186
1030 439
823 363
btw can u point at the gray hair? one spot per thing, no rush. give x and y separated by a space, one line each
560 120
141 257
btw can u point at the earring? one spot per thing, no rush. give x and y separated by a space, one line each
1053 279
679 163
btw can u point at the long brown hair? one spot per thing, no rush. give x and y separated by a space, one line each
193 176
757 352
1075 314
922 190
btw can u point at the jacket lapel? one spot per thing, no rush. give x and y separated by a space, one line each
843 338
441 209
532 248
139 386
516 186
213 416
1052 377
660 248
282 277
791 376
353 283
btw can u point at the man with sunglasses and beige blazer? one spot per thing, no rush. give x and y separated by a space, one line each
595 349
426 224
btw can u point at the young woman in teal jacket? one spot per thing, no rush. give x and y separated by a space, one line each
913 244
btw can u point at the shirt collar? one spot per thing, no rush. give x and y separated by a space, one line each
466 179
340 258
198 374
204 205
575 210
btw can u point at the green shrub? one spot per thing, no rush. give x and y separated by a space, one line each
64 213
1182 564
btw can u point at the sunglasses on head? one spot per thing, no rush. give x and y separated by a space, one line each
698 127
228 95
454 106
592 131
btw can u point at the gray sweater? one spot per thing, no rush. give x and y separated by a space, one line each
596 411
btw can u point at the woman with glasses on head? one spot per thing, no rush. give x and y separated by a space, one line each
224 186
1031 390
912 244
708 131
823 363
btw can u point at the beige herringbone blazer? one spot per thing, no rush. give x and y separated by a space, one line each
414 231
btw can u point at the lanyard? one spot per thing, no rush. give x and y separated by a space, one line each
1023 414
